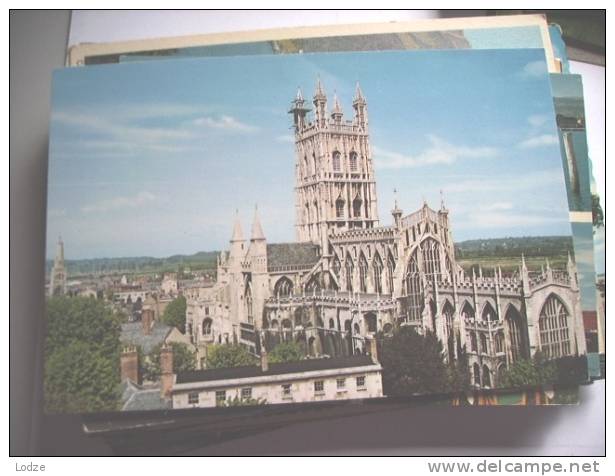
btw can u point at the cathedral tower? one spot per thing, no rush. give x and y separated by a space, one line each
57 282
335 187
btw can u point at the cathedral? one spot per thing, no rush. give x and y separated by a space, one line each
348 277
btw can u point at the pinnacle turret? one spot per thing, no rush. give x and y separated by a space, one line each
257 230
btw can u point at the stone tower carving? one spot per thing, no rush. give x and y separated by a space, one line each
57 282
335 185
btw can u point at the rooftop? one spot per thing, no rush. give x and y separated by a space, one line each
283 255
308 365
132 333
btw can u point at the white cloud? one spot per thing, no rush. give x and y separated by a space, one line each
534 69
506 184
537 120
438 152
498 206
224 122
286 138
118 203
539 141
56 212
506 219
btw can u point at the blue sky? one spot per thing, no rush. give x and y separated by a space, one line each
153 158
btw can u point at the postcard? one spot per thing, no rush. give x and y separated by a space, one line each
264 230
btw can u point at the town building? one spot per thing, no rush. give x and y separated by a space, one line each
309 380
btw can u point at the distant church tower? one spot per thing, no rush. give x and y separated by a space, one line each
335 186
57 282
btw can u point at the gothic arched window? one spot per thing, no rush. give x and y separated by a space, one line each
339 207
336 267
362 273
378 267
476 369
486 376
483 343
249 304
473 344
514 323
499 342
337 163
413 290
467 311
283 288
390 271
554 330
430 249
489 313
206 329
448 312
356 206
353 161
349 273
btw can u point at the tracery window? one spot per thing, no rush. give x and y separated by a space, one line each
356 206
249 304
337 163
353 161
430 250
349 273
467 311
514 322
206 329
489 313
378 267
390 271
554 330
339 208
486 376
336 267
483 343
413 290
283 288
473 344
362 273
499 342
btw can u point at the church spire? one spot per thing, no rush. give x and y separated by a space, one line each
237 231
337 113
320 104
358 94
257 230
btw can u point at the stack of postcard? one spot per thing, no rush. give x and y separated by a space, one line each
376 214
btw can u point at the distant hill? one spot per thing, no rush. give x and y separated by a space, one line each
530 246
139 264
543 246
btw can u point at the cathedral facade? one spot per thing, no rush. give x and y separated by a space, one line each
348 277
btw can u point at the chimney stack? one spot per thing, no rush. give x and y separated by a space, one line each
372 348
166 369
147 320
129 364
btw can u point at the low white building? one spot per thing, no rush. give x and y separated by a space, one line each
311 380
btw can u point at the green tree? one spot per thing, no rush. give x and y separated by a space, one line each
529 373
243 402
459 371
412 363
228 355
597 213
82 351
286 352
175 314
184 359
